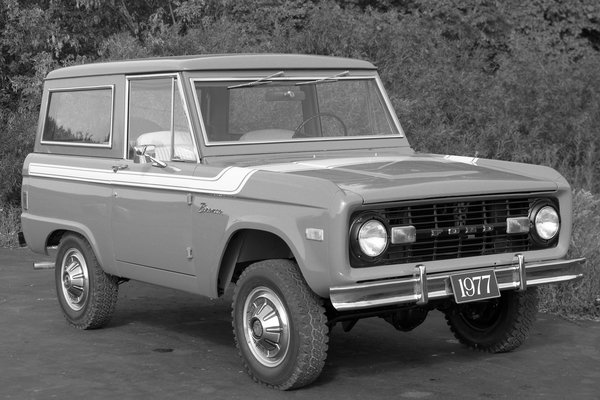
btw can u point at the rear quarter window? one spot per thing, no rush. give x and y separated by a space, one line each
79 117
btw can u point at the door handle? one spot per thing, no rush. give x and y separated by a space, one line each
116 168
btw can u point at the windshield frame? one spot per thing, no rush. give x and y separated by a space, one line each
296 76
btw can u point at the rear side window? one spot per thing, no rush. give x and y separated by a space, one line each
79 117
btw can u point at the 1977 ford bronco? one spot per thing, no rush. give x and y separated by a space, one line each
289 177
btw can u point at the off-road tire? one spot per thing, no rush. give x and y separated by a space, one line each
278 286
497 325
86 294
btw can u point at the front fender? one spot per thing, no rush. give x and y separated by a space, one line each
311 264
284 206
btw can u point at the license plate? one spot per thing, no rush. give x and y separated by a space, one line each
474 286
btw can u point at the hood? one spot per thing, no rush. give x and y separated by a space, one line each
388 178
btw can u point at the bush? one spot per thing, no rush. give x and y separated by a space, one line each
580 298
17 136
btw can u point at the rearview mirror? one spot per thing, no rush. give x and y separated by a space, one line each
285 95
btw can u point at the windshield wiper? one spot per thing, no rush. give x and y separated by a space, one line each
334 78
261 81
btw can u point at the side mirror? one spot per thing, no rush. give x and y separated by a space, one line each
146 154
141 154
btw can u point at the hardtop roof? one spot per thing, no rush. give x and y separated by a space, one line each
212 62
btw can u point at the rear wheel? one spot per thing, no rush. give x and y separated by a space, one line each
86 294
279 325
497 325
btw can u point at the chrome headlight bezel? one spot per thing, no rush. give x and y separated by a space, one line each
545 220
369 237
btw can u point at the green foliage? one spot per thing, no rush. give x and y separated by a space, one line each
497 79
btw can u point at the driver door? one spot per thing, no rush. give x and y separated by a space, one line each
151 214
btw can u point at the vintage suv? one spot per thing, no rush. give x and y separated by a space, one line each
290 178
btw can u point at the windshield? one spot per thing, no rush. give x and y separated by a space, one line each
288 110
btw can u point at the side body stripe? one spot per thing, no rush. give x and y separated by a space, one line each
229 181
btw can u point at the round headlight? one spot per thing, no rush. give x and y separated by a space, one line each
372 238
547 222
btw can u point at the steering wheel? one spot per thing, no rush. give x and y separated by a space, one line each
297 132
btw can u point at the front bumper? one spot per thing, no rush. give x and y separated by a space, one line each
422 287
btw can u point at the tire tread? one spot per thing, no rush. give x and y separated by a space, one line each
524 306
104 290
311 322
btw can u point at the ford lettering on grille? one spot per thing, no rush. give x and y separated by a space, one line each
462 229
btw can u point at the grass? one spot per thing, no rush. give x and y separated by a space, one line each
10 224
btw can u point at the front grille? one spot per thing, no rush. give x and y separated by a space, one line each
449 229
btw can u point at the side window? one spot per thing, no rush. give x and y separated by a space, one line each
157 117
79 117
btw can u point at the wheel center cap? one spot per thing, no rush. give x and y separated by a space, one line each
257 328
66 281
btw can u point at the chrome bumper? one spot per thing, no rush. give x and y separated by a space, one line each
422 287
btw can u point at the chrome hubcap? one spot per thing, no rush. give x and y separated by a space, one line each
266 326
257 329
75 279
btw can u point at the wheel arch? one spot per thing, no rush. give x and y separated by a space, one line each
54 237
247 246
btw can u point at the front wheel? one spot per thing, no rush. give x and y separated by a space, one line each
279 325
497 325
86 294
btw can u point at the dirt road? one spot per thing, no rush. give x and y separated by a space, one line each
163 344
